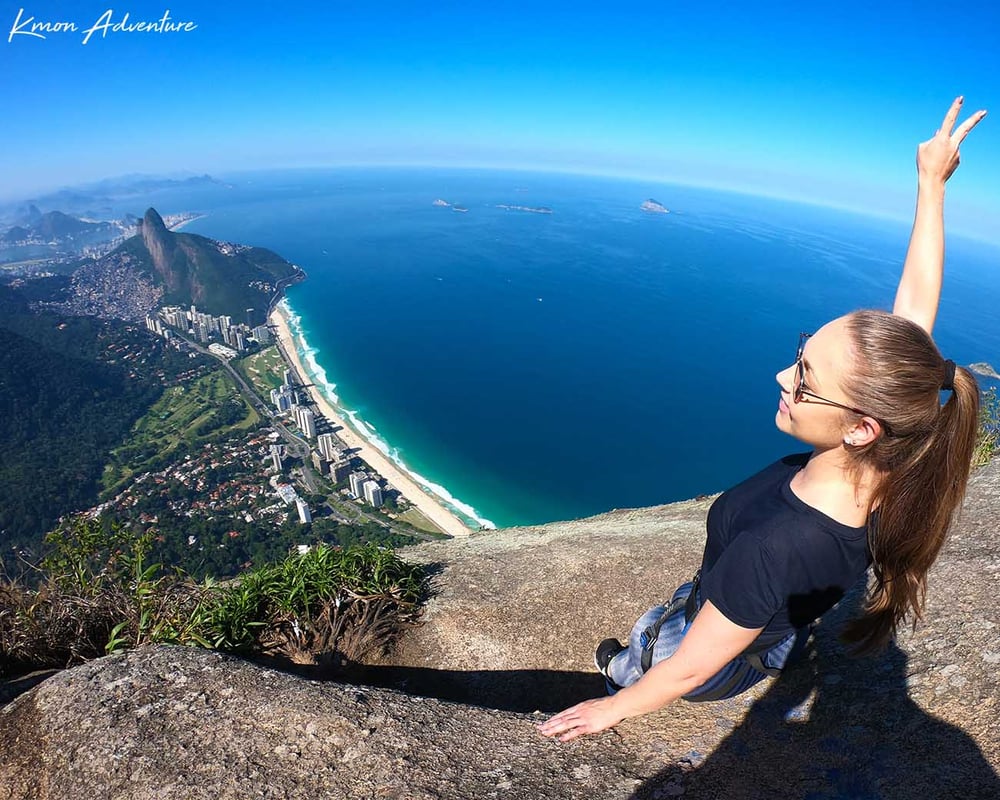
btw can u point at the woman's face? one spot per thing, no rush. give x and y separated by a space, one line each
825 360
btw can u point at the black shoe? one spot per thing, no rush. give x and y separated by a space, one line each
606 651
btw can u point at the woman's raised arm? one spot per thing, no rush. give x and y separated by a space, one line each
920 285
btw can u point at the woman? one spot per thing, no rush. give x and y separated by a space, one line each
887 471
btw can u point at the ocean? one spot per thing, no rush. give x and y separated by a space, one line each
532 366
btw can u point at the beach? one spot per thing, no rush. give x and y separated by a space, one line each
177 226
428 505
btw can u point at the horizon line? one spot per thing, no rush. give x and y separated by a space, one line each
183 174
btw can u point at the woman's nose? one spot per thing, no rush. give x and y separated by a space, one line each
786 378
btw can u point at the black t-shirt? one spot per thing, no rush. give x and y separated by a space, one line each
772 561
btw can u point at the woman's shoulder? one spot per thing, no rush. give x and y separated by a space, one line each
775 473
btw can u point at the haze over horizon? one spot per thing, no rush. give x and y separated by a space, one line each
818 105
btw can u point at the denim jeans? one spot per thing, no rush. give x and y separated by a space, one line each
735 677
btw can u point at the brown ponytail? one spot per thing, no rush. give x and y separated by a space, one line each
921 463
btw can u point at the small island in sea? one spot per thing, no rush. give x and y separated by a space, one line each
452 206
984 369
531 209
654 207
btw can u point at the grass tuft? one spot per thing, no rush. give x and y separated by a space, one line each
99 595
989 429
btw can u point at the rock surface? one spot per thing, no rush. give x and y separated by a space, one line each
510 632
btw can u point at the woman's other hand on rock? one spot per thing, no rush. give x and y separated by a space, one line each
591 716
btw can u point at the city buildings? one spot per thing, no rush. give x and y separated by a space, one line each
330 446
222 350
262 335
340 470
205 327
306 420
321 464
357 480
373 494
282 399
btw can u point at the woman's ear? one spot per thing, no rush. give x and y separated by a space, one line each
863 432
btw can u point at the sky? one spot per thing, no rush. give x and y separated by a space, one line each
819 102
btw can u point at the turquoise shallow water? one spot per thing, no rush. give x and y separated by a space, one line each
543 366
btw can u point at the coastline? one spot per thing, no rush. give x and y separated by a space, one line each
182 223
428 505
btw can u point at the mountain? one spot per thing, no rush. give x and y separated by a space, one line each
55 225
218 277
67 396
15 234
49 227
158 267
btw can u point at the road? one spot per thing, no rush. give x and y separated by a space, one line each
299 447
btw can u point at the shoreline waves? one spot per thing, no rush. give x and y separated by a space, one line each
182 223
359 436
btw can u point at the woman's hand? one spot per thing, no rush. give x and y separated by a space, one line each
591 716
919 288
938 158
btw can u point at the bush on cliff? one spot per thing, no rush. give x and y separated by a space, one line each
989 429
99 595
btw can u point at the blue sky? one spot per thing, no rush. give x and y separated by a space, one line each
822 103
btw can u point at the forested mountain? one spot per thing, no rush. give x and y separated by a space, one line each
218 277
70 389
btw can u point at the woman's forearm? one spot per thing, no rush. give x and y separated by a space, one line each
664 683
919 289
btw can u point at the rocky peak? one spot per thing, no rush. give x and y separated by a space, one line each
160 244
506 639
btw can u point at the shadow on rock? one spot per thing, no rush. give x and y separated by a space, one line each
520 691
836 728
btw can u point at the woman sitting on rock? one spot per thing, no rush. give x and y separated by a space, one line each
887 472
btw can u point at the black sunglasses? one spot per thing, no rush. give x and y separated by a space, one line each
798 388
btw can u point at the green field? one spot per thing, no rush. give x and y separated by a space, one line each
263 370
205 410
416 518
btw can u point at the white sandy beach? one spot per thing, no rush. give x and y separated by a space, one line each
372 456
176 227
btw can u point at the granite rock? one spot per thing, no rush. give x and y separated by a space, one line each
508 638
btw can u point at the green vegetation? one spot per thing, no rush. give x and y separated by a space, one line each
221 546
206 410
99 594
989 429
263 370
415 517
193 266
70 389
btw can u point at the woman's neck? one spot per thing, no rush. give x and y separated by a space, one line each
827 484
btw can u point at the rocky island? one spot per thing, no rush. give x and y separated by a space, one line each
984 369
654 207
529 209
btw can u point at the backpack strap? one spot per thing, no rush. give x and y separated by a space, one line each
753 655
649 636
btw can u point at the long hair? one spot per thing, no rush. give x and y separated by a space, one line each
921 463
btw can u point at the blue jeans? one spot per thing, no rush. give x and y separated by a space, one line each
734 678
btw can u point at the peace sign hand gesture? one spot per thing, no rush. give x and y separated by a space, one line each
938 157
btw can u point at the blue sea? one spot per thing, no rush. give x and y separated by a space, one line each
530 367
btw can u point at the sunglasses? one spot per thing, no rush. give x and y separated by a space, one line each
799 389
